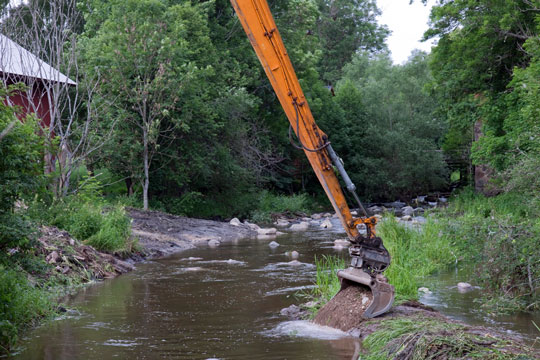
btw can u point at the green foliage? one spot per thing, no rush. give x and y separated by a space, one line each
500 236
21 305
415 253
113 233
106 227
20 153
327 283
269 204
389 137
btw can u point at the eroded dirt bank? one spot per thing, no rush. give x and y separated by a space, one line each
158 234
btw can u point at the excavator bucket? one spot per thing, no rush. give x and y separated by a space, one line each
381 290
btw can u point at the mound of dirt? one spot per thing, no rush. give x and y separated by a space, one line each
72 258
345 310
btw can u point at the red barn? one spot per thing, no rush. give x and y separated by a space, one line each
19 65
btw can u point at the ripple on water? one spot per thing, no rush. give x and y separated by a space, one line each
305 329
289 289
121 343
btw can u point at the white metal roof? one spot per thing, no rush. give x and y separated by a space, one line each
14 59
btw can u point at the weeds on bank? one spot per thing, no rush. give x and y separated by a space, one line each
21 306
419 338
327 283
415 253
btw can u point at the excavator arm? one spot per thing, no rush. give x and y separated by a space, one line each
369 258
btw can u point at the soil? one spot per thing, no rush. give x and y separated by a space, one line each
345 310
162 234
71 258
158 234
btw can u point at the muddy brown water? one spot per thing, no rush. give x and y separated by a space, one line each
220 303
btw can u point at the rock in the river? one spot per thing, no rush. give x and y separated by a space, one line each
235 222
418 210
326 224
305 218
406 218
432 203
253 227
267 231
294 312
342 242
281 223
316 216
407 210
443 199
213 243
464 287
294 263
303 226
292 254
375 209
327 215
273 244
424 290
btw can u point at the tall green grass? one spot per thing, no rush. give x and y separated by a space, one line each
327 283
21 306
415 253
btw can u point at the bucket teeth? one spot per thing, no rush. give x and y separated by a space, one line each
382 292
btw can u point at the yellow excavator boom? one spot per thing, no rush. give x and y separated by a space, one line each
369 257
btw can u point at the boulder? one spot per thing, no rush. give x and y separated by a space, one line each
305 219
235 222
419 220
281 223
407 210
406 218
294 254
418 210
327 215
326 224
316 216
303 226
267 231
432 203
354 213
213 243
273 244
424 290
266 237
253 227
443 199
375 209
464 287
294 263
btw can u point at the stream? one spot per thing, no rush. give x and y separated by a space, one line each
223 303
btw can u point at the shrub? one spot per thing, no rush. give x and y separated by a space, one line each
269 204
20 306
113 233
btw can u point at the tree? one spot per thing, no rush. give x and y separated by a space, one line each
389 137
144 53
480 45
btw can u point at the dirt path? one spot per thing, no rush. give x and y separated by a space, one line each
162 234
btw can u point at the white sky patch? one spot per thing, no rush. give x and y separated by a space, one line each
408 24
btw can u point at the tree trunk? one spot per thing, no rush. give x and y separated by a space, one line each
146 183
129 186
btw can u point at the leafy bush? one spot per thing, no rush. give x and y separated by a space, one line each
500 236
113 233
269 204
107 228
20 306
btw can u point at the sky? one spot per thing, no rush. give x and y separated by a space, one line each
407 24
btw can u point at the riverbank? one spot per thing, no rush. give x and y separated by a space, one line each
59 264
